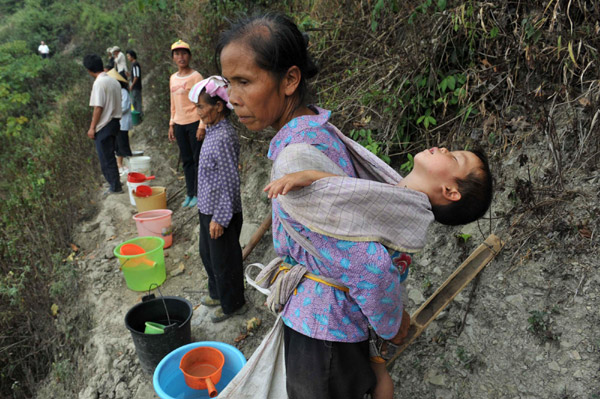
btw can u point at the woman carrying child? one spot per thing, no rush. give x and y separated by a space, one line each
219 201
185 126
266 64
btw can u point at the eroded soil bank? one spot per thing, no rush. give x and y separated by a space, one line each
526 329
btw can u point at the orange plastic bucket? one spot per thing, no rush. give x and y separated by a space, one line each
202 368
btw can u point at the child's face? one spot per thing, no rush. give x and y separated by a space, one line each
440 168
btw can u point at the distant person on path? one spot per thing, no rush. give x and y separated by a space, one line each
106 100
122 148
219 201
185 126
136 82
120 62
44 50
110 64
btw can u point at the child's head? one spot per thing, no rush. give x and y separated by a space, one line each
211 99
458 183
266 62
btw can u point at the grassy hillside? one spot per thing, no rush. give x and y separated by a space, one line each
399 76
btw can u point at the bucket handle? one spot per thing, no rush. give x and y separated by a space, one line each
151 296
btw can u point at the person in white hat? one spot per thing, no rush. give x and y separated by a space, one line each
122 148
120 62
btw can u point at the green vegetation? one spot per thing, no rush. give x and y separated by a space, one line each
540 325
398 76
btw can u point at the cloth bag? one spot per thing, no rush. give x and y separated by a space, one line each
263 376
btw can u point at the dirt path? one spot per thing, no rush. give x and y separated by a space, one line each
529 329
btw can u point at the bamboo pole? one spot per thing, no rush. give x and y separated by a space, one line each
255 239
458 280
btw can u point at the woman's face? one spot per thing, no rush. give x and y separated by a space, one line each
210 114
258 98
181 58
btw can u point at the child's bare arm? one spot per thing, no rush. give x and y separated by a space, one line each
294 181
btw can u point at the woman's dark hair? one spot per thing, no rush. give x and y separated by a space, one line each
132 54
277 44
475 190
93 63
214 100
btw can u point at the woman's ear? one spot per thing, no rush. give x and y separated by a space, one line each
291 80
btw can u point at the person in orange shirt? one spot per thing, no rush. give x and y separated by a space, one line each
185 125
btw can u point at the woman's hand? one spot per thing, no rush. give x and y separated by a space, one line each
294 181
171 133
216 230
403 331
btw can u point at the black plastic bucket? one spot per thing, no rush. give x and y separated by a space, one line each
151 348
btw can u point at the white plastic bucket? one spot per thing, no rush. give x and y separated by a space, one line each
130 187
155 223
140 164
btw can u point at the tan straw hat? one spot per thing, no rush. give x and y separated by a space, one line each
116 75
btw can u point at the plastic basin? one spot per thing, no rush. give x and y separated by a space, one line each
169 381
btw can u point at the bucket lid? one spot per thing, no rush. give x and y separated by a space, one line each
136 177
143 191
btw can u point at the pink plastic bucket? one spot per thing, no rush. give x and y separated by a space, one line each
155 223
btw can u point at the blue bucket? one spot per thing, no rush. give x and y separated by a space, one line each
169 382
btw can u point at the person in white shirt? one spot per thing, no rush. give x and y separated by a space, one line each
44 50
120 62
106 100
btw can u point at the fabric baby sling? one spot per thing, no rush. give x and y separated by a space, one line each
370 208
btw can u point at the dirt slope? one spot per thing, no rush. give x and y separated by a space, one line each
487 344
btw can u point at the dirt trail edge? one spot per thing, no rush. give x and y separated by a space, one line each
528 328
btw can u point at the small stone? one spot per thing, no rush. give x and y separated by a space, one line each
180 270
134 382
575 355
416 296
554 366
437 271
121 391
515 300
90 227
88 393
578 374
435 379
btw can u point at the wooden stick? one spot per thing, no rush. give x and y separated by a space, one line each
478 259
255 239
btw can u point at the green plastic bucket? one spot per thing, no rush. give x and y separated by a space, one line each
135 117
145 271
